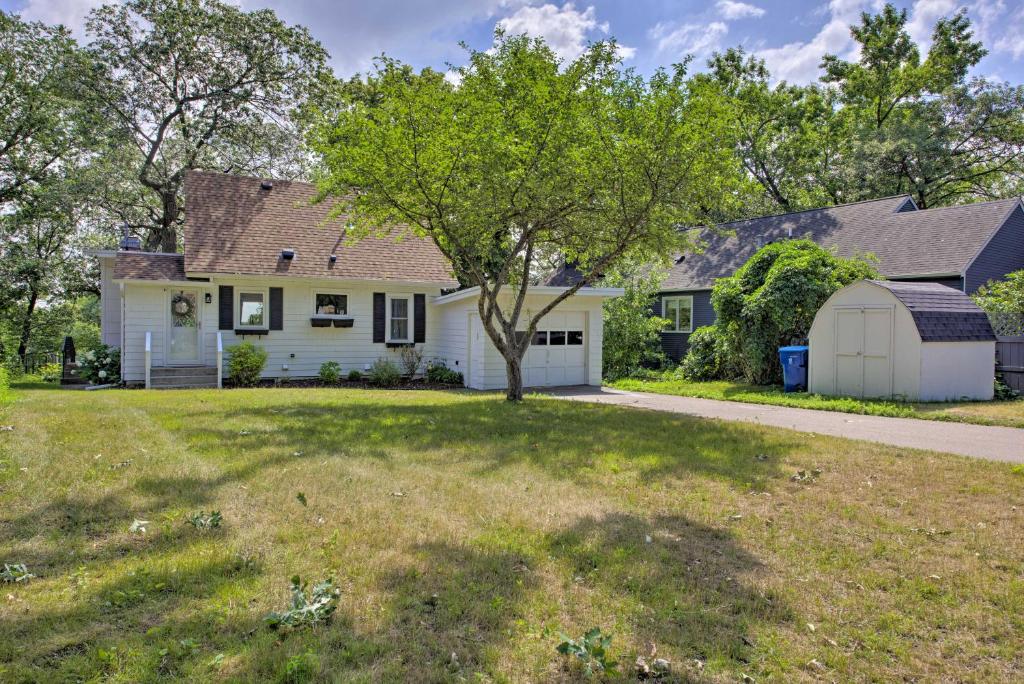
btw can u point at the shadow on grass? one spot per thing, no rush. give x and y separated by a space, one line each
690 589
565 439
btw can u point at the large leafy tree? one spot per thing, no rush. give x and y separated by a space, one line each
527 158
195 84
44 127
789 138
918 125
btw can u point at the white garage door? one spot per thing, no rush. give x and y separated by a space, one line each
557 355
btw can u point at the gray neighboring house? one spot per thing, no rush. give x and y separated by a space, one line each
962 247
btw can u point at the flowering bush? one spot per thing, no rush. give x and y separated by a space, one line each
101 366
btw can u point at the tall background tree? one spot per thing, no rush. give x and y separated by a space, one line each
525 159
194 84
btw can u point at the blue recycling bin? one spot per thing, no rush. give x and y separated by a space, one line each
794 367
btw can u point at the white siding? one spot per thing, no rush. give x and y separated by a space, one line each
144 311
454 333
110 304
955 371
487 367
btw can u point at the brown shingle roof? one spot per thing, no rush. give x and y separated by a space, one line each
149 266
906 242
233 225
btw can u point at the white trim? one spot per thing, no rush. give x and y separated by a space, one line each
175 283
408 318
674 330
313 281
265 293
314 291
605 292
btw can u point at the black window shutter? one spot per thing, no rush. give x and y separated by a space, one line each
226 304
419 313
378 317
277 308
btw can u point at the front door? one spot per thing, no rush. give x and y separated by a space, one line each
183 328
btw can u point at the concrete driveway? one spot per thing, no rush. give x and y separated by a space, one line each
978 441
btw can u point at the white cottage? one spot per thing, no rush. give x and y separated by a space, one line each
902 340
262 263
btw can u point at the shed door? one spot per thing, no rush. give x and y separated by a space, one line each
863 357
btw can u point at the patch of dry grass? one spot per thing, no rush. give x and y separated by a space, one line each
457 524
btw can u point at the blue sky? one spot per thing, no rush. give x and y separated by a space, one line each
791 36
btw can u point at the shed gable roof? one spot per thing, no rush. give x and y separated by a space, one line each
235 225
906 241
941 313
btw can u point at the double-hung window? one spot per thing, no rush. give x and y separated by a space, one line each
679 312
399 326
252 309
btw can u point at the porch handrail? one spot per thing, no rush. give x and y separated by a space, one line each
149 356
220 360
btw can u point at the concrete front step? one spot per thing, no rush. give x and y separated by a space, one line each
175 377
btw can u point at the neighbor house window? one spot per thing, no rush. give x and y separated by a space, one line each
679 312
252 309
330 304
398 319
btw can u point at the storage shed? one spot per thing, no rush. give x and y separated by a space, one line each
899 340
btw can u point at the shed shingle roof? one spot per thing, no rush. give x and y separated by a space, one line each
907 242
941 313
233 225
149 266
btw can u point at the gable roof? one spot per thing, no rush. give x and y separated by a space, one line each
907 242
234 225
148 266
941 313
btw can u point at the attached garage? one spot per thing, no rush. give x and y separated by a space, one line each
565 349
897 340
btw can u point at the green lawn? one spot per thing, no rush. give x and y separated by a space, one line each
466 533
1009 413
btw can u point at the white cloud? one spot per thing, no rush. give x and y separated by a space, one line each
798 62
730 9
565 29
923 16
999 28
699 40
70 13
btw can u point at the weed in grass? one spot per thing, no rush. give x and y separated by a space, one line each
15 573
205 521
301 498
300 668
592 651
306 609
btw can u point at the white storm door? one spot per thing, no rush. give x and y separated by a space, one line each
183 327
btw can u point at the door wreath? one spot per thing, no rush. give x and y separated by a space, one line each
182 305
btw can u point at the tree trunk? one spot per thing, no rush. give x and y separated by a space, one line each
514 371
164 238
26 330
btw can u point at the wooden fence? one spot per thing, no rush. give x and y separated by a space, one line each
1009 329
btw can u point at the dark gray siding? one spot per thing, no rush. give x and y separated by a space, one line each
676 344
1003 254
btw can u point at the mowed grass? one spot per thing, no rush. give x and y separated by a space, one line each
466 533
1008 413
